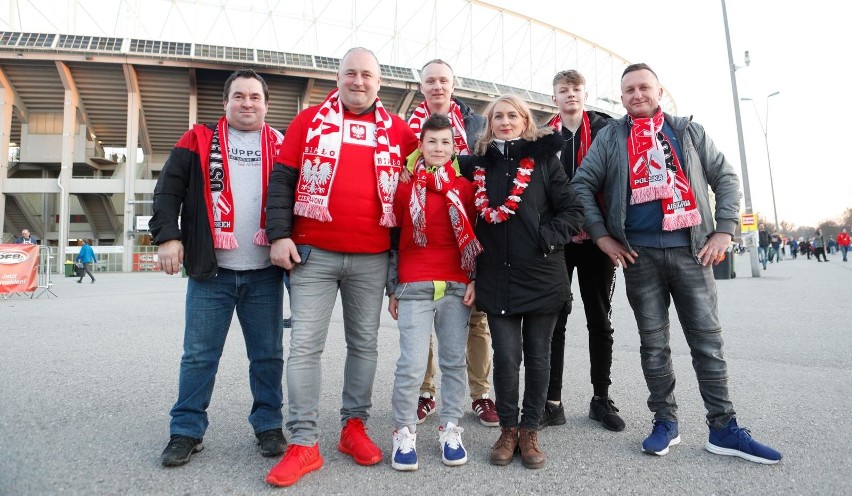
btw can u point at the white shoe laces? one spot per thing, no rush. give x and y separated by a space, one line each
451 435
405 439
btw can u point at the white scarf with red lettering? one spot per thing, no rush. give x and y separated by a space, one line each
656 174
320 161
421 113
220 201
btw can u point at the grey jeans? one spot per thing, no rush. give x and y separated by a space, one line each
658 277
417 312
360 278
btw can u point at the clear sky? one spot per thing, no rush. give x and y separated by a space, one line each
797 48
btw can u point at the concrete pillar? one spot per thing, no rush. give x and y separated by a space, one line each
7 102
69 125
130 167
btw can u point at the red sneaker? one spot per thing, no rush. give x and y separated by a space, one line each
425 407
486 411
355 443
297 461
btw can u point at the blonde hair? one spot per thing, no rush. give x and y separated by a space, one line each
531 132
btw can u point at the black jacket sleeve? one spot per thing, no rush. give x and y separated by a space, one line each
280 197
170 194
567 218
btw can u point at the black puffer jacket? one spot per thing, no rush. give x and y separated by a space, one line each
522 270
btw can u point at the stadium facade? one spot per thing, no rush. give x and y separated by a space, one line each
94 95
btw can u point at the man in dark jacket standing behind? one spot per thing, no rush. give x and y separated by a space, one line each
595 270
216 179
437 83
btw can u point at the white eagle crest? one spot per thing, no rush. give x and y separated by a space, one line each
388 182
315 175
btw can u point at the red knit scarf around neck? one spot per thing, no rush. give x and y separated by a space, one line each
441 181
656 173
585 133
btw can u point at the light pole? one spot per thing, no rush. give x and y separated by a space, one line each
765 129
755 269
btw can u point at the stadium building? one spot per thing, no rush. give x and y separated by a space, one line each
94 95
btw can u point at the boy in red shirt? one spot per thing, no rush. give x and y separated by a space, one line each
432 283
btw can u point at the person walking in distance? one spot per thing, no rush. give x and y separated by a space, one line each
86 260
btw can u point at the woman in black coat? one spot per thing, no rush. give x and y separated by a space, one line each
527 213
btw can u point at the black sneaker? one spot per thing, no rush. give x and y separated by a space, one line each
179 449
604 411
552 415
272 442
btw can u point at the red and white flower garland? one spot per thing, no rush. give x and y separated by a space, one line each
502 213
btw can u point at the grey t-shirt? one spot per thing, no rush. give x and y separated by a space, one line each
244 167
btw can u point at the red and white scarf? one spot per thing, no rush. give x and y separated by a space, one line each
656 173
220 201
321 156
585 132
441 181
421 113
585 135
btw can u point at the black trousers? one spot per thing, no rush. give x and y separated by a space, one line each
596 274
515 339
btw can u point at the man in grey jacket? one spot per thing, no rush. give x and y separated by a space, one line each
654 170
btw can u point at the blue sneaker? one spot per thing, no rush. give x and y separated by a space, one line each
452 449
662 436
733 440
404 455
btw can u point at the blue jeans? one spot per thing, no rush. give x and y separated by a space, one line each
416 316
360 278
844 250
657 277
257 296
516 339
762 255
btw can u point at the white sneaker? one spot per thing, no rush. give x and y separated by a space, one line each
452 449
404 455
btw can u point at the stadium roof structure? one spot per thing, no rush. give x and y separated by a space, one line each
79 76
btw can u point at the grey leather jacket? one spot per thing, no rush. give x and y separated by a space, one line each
605 169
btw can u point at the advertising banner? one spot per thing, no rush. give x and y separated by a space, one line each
18 268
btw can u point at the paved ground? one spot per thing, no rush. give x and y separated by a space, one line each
87 379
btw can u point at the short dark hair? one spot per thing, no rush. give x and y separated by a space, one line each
437 61
638 67
569 77
435 122
245 73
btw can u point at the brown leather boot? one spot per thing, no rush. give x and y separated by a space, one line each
531 454
504 449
